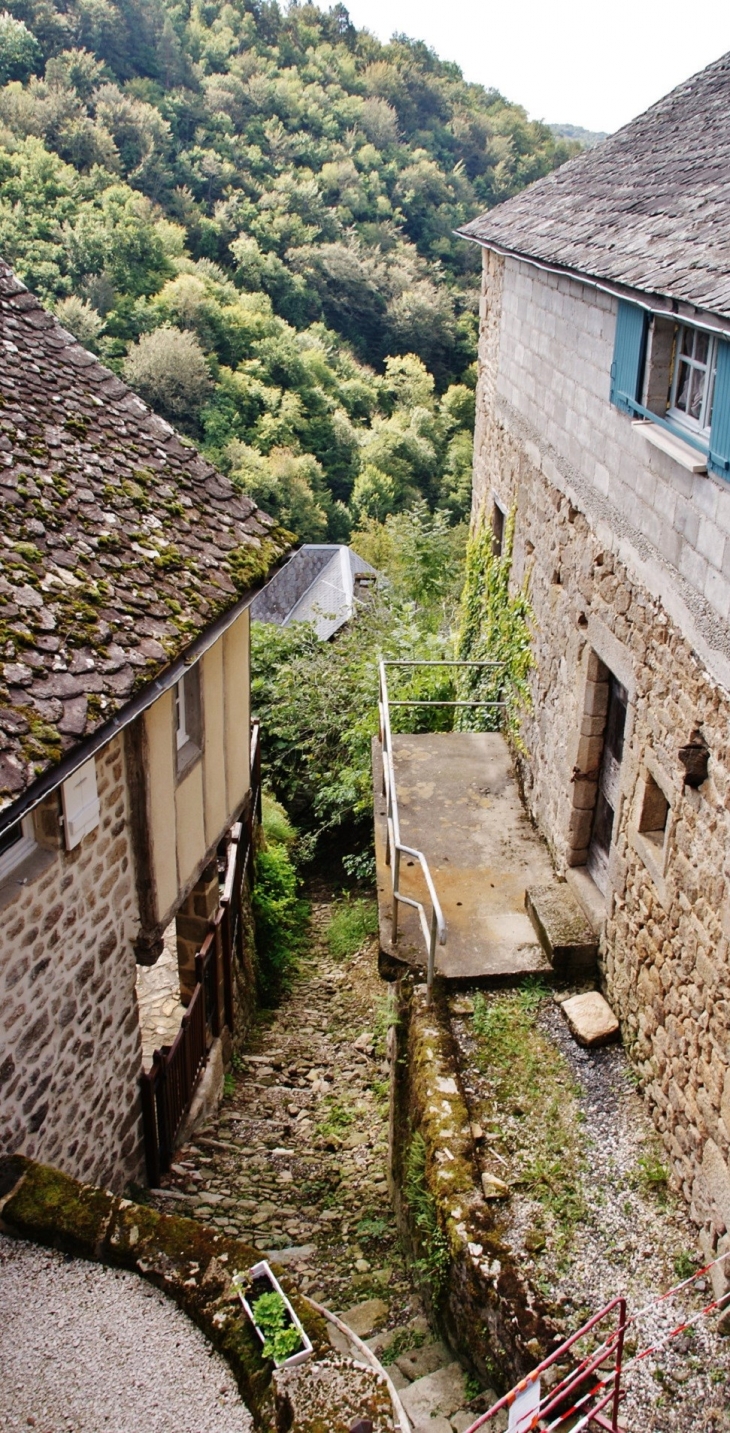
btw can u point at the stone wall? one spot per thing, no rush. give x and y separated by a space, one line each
70 1047
611 588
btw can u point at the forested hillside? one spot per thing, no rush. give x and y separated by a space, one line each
249 211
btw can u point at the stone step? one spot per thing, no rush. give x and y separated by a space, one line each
436 1395
564 932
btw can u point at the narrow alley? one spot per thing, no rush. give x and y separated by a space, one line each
296 1161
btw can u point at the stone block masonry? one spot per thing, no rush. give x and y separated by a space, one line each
70 1043
606 600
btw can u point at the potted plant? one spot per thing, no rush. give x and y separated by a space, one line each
283 1338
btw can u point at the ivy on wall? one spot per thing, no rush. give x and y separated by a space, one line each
494 625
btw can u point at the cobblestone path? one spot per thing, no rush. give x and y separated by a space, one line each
296 1160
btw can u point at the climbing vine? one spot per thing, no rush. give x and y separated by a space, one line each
494 625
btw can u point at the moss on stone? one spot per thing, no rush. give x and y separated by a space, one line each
250 562
54 1209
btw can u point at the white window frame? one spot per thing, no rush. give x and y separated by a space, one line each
702 424
20 849
181 729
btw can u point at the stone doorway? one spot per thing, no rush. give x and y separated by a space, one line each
609 779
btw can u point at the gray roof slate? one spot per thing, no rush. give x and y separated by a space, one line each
648 209
317 584
119 543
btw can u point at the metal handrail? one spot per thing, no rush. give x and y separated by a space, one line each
435 927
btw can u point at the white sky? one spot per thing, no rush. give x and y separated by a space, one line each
566 61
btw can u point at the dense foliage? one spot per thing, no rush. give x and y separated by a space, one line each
318 701
249 211
443 596
280 914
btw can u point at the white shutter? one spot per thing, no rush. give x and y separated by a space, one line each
80 804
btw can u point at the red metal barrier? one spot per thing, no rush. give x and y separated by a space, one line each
585 1394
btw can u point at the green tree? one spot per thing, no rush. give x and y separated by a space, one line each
19 49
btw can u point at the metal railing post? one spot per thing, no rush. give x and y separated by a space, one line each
396 883
432 952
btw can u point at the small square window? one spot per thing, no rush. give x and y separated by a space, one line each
654 813
188 718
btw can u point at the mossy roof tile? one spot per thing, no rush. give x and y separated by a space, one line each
102 582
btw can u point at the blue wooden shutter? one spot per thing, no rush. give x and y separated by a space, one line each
628 355
719 458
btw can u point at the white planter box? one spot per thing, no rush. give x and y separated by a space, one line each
263 1271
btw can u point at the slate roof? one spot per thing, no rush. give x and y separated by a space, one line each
119 543
317 585
649 208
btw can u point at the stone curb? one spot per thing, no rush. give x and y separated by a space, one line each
489 1310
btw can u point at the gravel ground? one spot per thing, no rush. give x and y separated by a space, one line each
628 1242
84 1348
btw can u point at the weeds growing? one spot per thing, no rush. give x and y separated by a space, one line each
532 1095
433 1264
353 921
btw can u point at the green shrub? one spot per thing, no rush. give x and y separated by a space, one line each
351 924
280 917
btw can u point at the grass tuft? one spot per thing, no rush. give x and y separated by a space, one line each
352 923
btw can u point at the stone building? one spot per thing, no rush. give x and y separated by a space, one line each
603 421
127 565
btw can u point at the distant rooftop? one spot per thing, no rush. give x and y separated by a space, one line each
648 209
318 584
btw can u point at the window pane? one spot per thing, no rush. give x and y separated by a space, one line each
701 345
682 387
686 341
697 388
11 836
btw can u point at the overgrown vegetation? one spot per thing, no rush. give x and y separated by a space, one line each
494 626
249 210
432 1265
318 700
280 913
354 920
530 1113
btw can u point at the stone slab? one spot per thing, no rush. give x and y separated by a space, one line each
590 1018
424 1360
564 933
460 804
364 1318
296 1254
441 1393
398 1378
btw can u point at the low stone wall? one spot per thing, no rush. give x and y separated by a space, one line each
485 1308
188 1261
70 1044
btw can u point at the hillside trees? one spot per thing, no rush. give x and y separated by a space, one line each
280 190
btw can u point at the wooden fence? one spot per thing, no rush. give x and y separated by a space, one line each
167 1088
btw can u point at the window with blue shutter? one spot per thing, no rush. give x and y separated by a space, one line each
628 356
719 456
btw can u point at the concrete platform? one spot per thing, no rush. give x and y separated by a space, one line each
459 803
